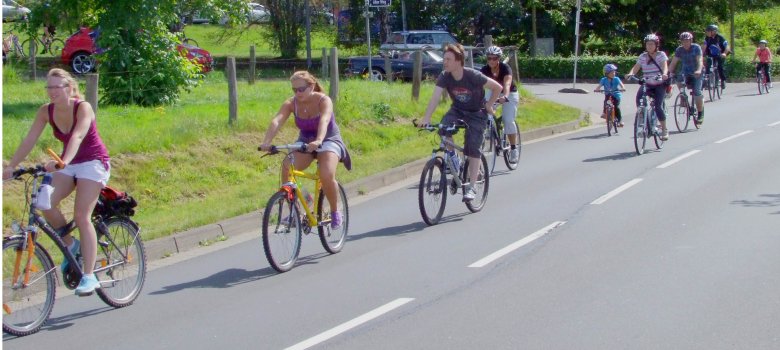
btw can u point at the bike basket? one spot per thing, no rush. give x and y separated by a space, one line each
113 202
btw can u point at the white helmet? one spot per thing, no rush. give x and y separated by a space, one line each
494 50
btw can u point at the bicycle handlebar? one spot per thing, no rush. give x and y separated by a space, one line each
297 146
458 124
642 80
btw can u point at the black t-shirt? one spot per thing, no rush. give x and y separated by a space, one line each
468 93
503 70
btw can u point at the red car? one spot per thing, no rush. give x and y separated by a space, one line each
79 48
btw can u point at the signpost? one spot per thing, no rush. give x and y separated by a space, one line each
372 3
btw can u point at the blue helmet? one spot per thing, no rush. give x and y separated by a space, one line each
609 68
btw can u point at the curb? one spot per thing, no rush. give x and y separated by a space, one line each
164 247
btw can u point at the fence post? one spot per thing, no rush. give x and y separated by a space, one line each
252 64
470 58
513 64
388 69
232 90
92 91
33 64
325 63
334 75
417 75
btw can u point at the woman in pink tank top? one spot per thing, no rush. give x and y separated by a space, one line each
314 117
86 170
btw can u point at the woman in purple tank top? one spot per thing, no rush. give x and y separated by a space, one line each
86 166
313 112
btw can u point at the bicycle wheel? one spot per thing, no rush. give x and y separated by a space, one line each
508 154
190 41
659 143
711 87
26 47
640 132
681 113
610 117
432 192
281 231
27 302
55 47
490 146
716 83
481 185
332 240
765 84
122 251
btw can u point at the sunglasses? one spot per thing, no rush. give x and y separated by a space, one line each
300 89
48 87
492 58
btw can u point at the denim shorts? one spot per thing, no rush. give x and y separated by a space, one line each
95 170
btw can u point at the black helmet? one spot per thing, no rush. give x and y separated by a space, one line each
712 27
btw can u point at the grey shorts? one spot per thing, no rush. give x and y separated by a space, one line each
475 133
330 146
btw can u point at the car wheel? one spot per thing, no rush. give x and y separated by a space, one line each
377 74
82 63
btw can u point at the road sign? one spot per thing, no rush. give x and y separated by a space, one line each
379 3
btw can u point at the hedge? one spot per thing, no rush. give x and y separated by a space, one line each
591 67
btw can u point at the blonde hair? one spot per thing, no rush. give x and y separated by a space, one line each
458 51
64 75
308 78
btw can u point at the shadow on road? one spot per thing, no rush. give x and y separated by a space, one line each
391 231
616 156
767 200
63 322
591 137
231 277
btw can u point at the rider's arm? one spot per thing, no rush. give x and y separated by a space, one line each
284 112
495 89
432 104
507 88
673 65
32 137
755 56
622 87
634 69
699 64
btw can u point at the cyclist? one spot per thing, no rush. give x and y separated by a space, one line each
764 56
652 63
502 73
690 55
612 86
314 117
466 88
716 48
86 171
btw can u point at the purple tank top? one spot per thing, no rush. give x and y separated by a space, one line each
91 148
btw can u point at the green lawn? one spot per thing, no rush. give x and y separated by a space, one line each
187 167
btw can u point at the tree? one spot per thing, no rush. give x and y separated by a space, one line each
286 21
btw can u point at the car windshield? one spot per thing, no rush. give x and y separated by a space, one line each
435 56
396 38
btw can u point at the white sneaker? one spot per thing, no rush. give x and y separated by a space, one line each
469 194
514 155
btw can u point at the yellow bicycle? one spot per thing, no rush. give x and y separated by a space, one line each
289 213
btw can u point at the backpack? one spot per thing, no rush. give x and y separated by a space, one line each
113 202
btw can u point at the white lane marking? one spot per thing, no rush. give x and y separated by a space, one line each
319 338
773 124
616 191
675 160
508 249
734 136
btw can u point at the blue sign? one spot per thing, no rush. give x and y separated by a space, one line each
379 3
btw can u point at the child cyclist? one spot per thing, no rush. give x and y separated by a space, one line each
764 56
612 86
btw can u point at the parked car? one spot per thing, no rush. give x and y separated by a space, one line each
12 11
402 64
258 13
80 48
417 39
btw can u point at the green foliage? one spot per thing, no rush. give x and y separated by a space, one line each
556 67
755 26
286 23
382 113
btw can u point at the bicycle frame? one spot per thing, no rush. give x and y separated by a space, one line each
291 186
443 146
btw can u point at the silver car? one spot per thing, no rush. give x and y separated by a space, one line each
418 39
12 11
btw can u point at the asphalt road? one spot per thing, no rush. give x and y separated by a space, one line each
585 246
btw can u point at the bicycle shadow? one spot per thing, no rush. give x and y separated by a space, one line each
744 95
591 137
64 322
227 278
616 156
399 230
773 200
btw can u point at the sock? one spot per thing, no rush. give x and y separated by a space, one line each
701 114
513 146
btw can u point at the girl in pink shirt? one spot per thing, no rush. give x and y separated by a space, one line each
764 55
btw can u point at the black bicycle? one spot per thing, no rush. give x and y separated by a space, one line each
646 122
441 174
29 273
496 141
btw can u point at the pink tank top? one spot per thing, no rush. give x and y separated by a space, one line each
91 148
